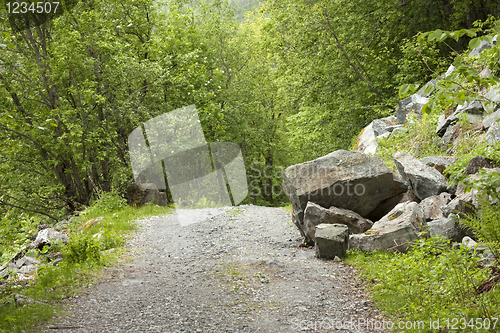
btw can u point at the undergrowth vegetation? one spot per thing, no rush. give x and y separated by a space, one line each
87 252
436 279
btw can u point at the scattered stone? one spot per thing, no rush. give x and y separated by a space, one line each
425 181
440 163
27 260
44 226
447 227
343 179
491 119
315 214
367 141
331 240
469 242
47 237
28 269
476 163
412 104
450 70
98 236
493 135
460 205
483 46
473 111
393 232
432 205
451 134
22 300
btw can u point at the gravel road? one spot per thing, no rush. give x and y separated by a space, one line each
238 269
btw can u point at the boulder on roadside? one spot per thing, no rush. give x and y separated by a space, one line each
314 215
393 232
432 206
331 240
47 237
343 179
425 181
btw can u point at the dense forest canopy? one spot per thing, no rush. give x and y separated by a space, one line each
293 81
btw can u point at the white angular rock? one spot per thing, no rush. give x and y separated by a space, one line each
49 236
400 226
493 135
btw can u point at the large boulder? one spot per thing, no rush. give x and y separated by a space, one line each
343 179
315 214
331 240
425 181
393 232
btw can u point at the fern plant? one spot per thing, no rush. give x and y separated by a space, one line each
486 225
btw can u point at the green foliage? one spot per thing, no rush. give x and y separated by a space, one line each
486 225
107 202
16 231
417 138
431 281
82 248
455 172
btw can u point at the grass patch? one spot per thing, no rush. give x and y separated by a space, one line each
417 138
84 257
432 281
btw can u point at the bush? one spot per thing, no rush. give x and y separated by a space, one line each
108 202
82 249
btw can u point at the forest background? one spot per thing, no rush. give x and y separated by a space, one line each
288 82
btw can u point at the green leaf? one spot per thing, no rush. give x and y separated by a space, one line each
428 107
474 43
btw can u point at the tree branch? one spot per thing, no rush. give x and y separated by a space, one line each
349 59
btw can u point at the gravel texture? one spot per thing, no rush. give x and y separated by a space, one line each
237 269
